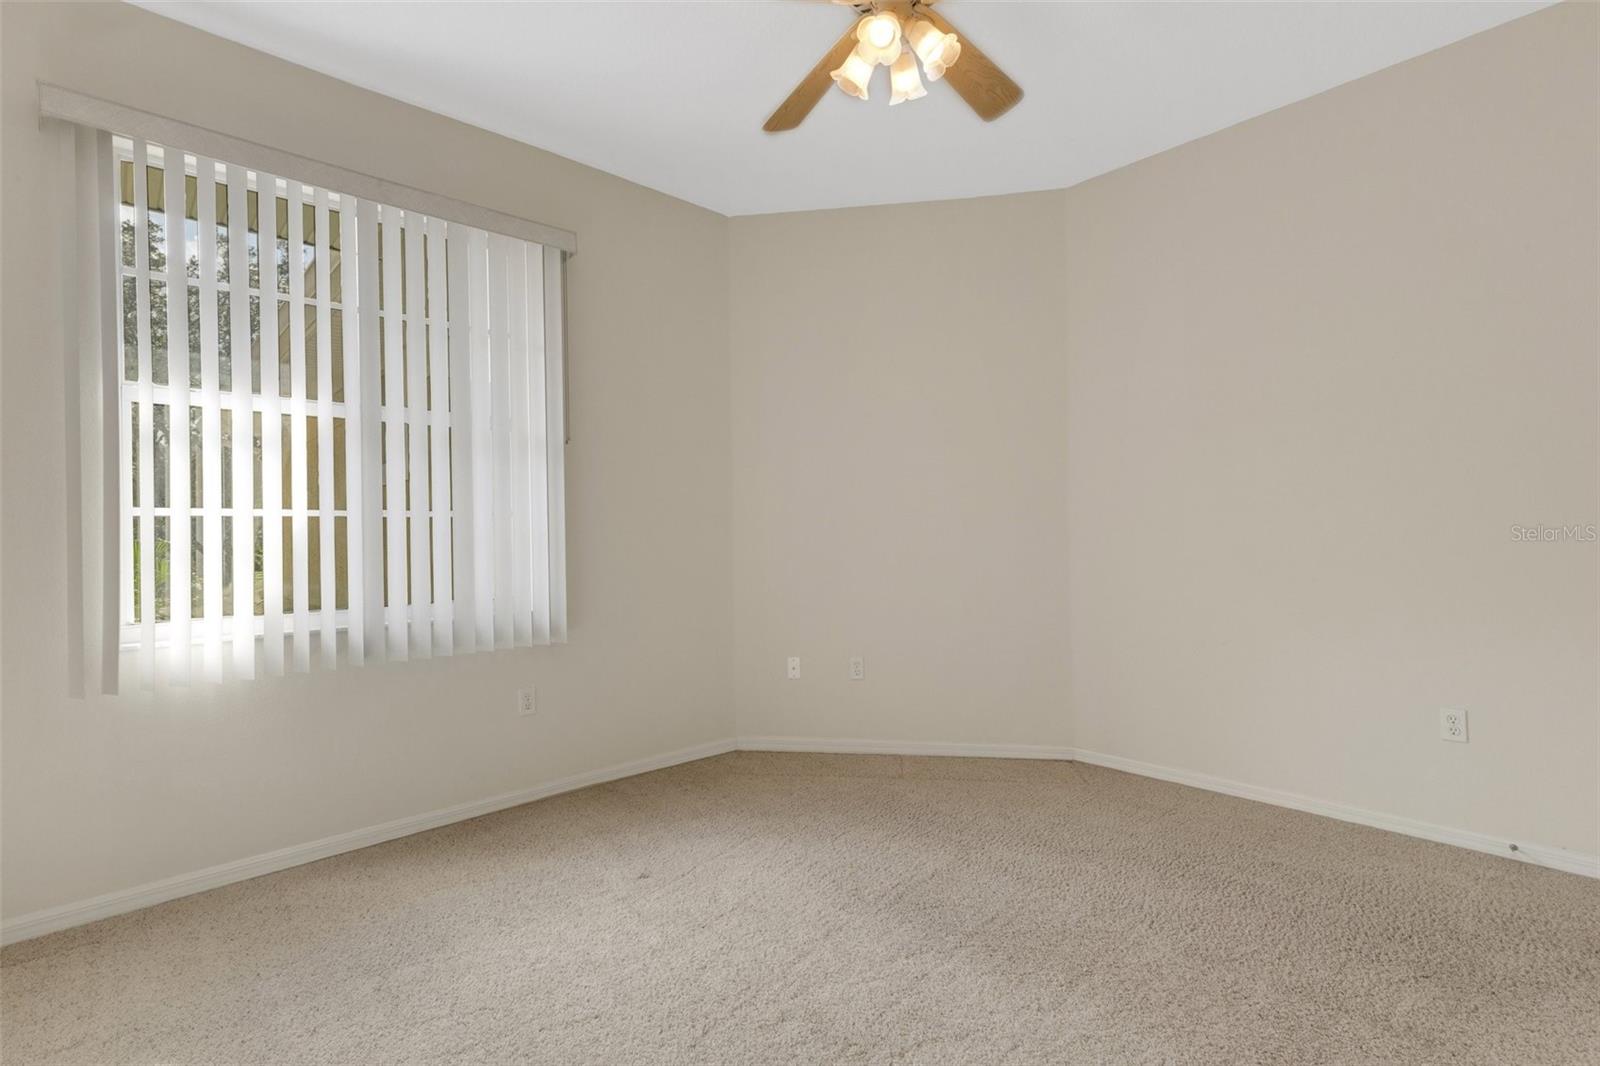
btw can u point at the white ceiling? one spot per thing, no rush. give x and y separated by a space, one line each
672 93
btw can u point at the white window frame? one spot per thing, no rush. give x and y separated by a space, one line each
164 394
102 458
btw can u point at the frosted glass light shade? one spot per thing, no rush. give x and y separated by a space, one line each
938 51
904 81
878 38
854 73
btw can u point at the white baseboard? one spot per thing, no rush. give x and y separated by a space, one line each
1575 862
834 746
38 923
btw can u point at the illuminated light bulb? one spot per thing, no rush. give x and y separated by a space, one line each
879 38
904 81
880 30
937 50
854 74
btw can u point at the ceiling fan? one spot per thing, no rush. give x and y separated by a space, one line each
897 34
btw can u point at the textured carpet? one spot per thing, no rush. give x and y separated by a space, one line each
832 909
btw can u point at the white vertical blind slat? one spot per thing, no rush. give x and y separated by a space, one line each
555 355
394 458
125 477
500 428
538 543
180 646
210 419
300 547
327 637
516 388
243 413
482 438
354 434
145 537
271 429
416 458
370 562
69 219
463 603
439 423
98 331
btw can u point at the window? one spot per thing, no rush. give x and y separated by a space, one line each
339 424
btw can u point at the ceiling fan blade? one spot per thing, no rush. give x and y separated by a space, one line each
812 87
974 77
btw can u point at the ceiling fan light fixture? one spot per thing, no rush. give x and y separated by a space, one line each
930 47
904 81
854 74
879 38
938 51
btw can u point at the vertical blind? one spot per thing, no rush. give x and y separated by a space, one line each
335 426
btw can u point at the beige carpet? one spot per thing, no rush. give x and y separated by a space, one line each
836 909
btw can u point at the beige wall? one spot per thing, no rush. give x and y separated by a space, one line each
105 794
1319 365
1211 462
897 488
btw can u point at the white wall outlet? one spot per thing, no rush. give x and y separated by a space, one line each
526 704
858 668
794 668
1453 725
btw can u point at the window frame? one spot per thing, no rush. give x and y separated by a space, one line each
130 628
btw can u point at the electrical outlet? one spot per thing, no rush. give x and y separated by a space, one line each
1453 725
858 668
794 668
525 702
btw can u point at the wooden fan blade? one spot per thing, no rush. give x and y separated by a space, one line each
974 77
812 87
